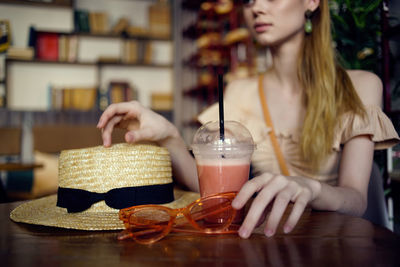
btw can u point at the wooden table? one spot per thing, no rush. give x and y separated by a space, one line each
320 239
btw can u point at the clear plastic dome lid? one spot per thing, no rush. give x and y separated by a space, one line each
236 138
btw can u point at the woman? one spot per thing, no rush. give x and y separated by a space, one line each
327 120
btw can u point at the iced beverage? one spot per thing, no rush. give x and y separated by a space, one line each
223 176
222 163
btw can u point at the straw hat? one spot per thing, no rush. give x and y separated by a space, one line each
123 175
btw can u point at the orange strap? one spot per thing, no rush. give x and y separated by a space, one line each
278 152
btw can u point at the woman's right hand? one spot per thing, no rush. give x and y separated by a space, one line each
142 124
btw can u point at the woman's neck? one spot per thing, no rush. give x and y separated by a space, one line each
284 63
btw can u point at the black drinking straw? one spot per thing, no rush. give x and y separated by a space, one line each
221 106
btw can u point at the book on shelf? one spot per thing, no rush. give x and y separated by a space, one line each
139 51
76 98
47 46
117 91
162 101
72 48
62 48
81 20
25 53
93 22
130 51
55 46
159 19
98 22
5 35
148 53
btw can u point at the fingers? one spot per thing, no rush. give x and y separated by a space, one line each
259 204
113 115
298 209
107 130
249 188
130 108
279 189
280 203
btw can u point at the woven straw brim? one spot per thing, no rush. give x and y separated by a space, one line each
44 211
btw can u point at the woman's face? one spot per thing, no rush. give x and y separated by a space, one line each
273 22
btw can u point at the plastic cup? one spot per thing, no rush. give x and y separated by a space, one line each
223 165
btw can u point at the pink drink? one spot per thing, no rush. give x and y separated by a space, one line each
223 175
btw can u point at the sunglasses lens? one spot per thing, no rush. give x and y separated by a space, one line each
149 225
213 214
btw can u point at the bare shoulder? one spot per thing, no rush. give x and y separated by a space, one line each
368 86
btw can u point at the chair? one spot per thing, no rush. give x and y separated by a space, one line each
11 138
376 211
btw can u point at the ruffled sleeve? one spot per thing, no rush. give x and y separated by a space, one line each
209 114
376 124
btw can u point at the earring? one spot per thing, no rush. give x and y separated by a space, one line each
308 24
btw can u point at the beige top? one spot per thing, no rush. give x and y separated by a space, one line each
244 106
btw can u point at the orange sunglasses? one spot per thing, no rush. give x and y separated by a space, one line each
147 224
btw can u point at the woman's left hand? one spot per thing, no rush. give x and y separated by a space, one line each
281 190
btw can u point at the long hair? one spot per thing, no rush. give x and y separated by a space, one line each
329 91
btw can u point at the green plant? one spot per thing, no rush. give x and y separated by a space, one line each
356 33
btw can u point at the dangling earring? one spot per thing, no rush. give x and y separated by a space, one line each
308 24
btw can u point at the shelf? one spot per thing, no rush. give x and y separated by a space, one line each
42 61
106 35
54 3
98 63
167 66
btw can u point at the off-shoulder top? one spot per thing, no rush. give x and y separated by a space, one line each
243 104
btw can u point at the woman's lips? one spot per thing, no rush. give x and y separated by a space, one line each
262 27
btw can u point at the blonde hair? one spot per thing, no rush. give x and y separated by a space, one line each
329 91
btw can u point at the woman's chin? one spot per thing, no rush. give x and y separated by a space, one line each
265 41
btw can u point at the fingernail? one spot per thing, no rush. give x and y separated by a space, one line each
269 233
235 204
129 137
244 233
287 229
106 142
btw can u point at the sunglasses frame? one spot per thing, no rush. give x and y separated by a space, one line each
174 221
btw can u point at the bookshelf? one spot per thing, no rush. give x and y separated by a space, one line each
96 69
